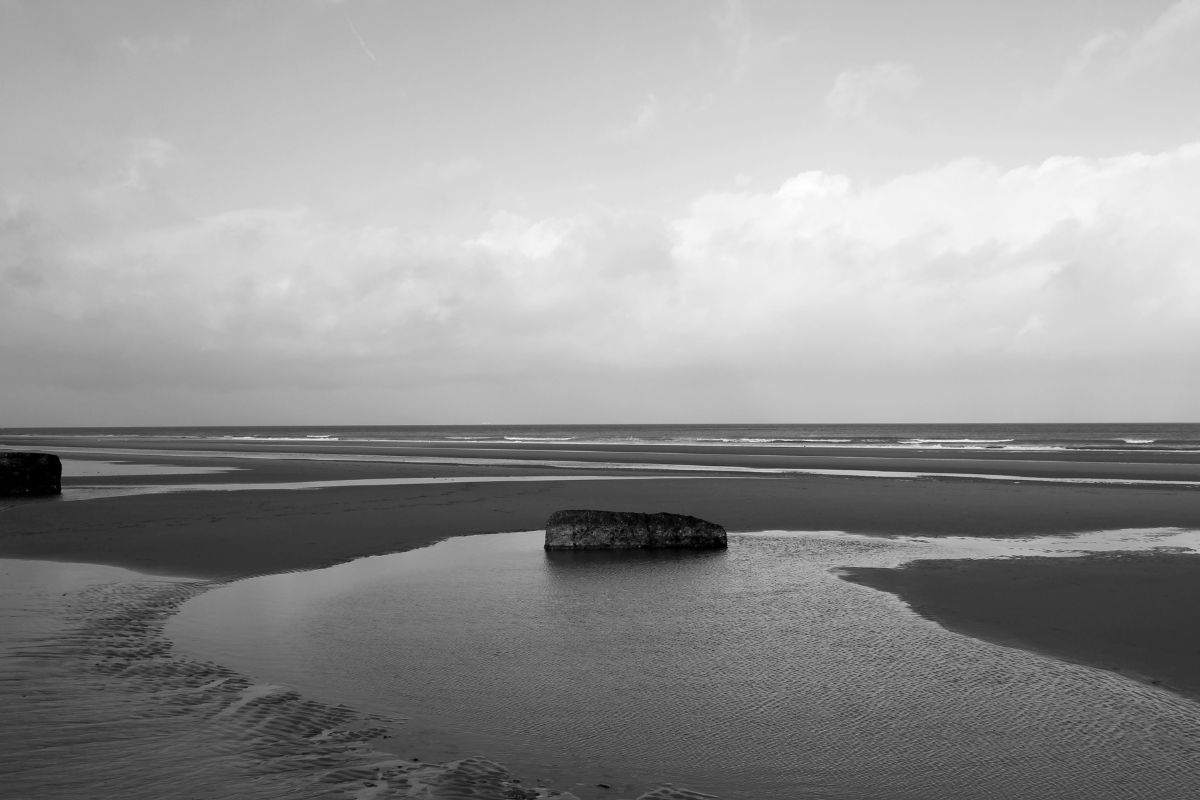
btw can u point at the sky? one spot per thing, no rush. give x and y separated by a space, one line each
375 212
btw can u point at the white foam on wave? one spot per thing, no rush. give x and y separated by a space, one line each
1035 448
308 438
784 441
956 441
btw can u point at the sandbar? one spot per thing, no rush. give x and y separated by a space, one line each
1124 613
1133 613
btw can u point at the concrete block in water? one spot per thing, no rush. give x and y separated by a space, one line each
626 530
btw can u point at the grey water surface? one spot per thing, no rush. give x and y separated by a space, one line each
749 673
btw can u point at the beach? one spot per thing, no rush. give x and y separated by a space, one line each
1131 613
214 512
230 534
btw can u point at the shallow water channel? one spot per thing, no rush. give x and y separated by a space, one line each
749 673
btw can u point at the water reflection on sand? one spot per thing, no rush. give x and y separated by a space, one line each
750 673
96 704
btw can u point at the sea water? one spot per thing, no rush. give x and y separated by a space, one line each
749 673
1046 437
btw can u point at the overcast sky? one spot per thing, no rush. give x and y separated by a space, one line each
308 211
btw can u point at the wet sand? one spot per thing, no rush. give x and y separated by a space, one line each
1133 613
98 704
226 535
229 535
236 534
1129 614
1096 464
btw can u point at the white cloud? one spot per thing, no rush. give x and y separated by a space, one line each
455 169
1083 63
1177 27
154 46
962 281
646 118
859 95
746 47
957 261
362 43
1121 55
146 154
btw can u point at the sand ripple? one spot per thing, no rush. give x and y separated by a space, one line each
102 707
753 673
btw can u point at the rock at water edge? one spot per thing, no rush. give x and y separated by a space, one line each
30 474
627 530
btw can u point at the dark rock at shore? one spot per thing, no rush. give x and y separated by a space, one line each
627 530
30 474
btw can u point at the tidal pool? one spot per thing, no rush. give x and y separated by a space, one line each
749 673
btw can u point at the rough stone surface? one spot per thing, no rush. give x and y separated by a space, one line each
30 474
626 530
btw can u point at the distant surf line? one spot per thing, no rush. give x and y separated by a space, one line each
968 445
999 442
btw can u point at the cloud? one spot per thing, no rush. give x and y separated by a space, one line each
362 43
1177 27
1061 290
452 170
860 95
155 46
145 154
1117 54
646 118
745 45
1084 62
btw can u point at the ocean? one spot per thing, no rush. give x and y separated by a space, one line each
1133 437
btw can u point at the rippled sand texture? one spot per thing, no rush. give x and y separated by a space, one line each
96 705
755 673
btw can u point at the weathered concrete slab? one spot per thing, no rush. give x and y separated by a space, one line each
627 530
30 474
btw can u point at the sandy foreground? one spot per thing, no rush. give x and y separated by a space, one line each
1129 613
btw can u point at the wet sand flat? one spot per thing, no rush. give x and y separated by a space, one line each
236 534
227 535
1133 613
266 456
655 673
98 704
1092 611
